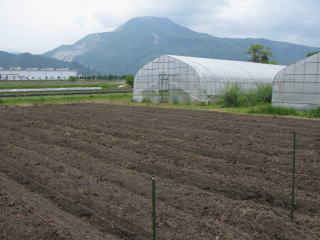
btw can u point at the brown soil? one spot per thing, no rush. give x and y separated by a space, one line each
82 171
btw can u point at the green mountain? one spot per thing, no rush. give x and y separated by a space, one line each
27 60
139 40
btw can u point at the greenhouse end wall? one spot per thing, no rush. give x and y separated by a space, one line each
166 79
180 79
298 85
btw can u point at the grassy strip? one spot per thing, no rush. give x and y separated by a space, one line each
268 109
271 110
58 86
44 99
125 99
263 109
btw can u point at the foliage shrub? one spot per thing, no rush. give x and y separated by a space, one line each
146 100
129 79
264 93
72 78
234 96
313 113
203 104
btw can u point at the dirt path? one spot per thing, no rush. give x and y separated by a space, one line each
82 171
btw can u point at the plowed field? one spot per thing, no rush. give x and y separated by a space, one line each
82 171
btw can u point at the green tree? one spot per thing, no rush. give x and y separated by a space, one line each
259 53
312 53
129 79
73 78
273 62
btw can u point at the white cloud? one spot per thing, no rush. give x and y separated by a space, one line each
40 25
287 20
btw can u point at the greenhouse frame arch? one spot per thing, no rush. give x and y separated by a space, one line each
298 85
171 78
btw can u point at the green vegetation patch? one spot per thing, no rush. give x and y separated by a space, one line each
44 99
262 109
272 110
313 113
234 96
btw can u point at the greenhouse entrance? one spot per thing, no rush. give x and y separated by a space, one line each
164 87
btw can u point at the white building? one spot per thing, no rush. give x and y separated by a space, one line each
170 78
17 73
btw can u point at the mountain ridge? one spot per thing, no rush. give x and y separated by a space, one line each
139 40
28 60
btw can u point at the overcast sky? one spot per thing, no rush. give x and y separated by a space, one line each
37 26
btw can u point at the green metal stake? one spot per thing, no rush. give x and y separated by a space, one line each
293 176
154 214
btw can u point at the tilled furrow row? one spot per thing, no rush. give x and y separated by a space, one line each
210 205
252 151
99 145
231 187
57 222
125 215
218 175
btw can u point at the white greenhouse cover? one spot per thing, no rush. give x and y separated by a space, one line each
298 85
171 78
226 69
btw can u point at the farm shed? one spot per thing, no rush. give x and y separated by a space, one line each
170 78
298 85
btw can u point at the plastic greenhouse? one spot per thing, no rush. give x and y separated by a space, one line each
298 85
170 78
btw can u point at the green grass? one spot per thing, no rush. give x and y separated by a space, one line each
186 106
58 86
271 110
53 99
283 111
262 109
126 99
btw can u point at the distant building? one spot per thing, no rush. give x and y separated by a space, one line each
17 73
15 68
32 69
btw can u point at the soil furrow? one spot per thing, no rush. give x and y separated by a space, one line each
220 176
